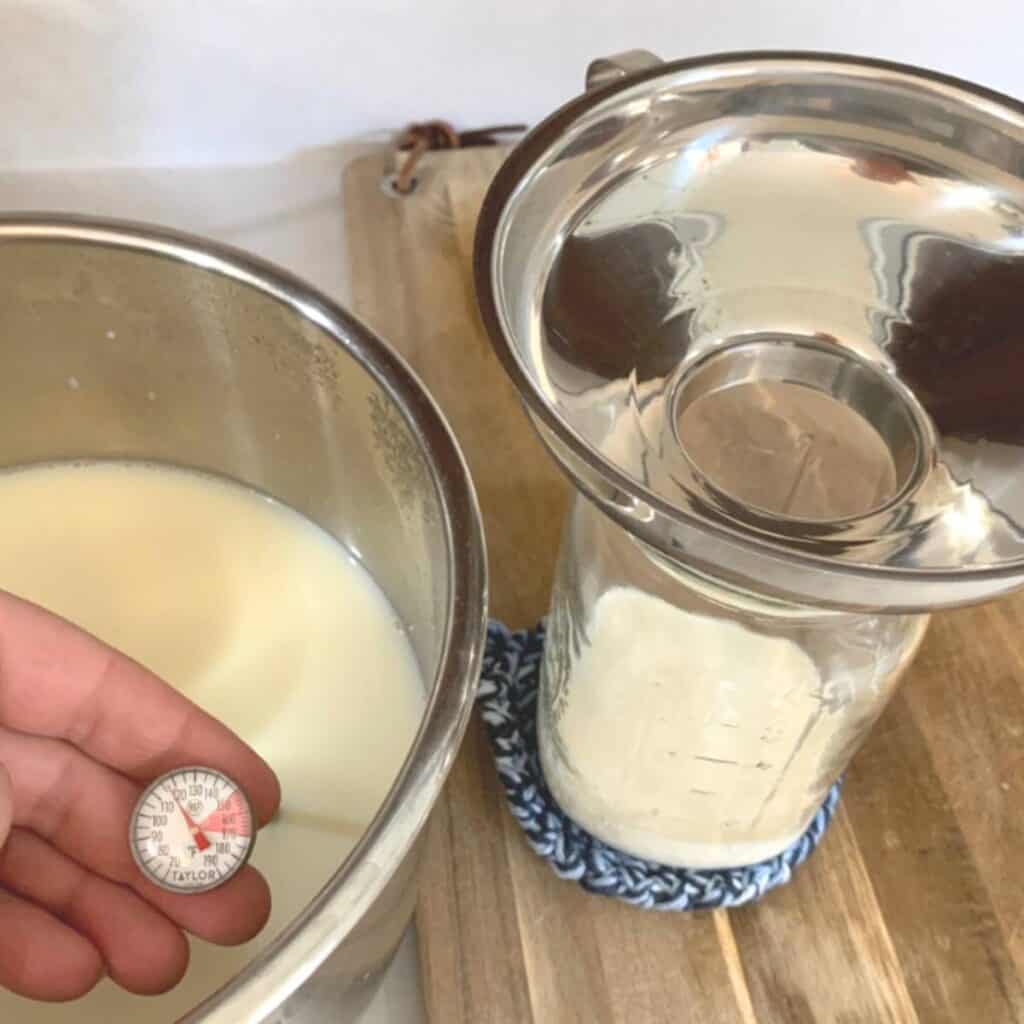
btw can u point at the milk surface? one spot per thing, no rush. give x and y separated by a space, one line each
257 615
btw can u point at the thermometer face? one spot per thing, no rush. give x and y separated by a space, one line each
192 830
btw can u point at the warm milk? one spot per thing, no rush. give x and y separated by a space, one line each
258 616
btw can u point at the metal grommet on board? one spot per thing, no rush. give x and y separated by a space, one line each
389 185
426 136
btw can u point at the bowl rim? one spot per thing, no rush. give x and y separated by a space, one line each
507 181
275 973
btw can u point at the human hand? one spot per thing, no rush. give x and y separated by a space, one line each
82 729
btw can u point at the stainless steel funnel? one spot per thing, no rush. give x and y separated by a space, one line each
766 310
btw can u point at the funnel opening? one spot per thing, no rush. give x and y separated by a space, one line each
797 430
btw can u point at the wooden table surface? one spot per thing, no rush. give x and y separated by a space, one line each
912 910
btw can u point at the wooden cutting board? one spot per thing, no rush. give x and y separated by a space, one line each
913 908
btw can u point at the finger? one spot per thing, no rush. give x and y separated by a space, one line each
228 916
84 810
41 958
58 681
143 951
6 804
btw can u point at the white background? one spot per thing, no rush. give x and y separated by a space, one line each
87 83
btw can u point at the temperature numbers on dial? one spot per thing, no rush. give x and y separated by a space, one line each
192 830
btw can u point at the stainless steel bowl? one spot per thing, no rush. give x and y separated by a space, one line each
124 341
766 309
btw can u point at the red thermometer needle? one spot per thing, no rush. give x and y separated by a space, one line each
202 843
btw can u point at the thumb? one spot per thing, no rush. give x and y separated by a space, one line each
6 804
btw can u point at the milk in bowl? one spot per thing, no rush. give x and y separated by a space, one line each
258 616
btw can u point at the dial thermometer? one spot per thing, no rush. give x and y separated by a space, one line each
192 830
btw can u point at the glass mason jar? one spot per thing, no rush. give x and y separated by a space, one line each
692 723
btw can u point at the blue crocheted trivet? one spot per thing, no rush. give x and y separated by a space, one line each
508 705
